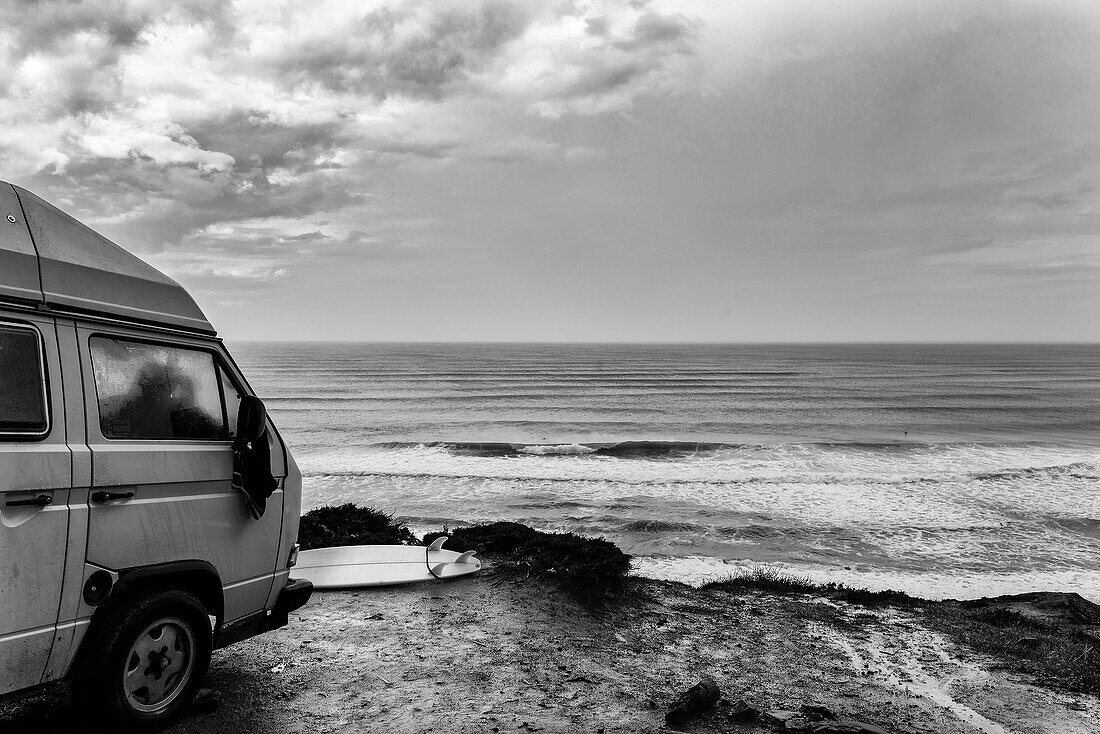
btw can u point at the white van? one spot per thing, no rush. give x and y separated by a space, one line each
148 508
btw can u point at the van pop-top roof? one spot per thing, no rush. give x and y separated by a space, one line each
47 258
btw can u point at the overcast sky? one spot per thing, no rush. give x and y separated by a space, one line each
710 170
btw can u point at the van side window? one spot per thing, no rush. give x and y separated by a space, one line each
152 391
22 382
232 401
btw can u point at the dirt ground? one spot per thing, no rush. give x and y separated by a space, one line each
488 654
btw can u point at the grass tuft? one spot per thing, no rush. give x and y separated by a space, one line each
778 581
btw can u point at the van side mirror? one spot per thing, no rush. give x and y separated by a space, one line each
251 419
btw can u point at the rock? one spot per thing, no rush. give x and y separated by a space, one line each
206 701
778 717
817 712
694 701
740 710
797 723
871 729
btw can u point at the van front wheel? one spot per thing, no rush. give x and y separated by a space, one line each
145 669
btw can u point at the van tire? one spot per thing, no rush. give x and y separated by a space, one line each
148 662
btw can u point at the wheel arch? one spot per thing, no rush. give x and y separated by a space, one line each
198 578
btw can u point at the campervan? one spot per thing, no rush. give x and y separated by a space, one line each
149 508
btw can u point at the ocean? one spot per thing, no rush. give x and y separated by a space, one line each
942 470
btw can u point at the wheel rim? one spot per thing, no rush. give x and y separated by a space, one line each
159 665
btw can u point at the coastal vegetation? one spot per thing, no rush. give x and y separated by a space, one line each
350 524
592 570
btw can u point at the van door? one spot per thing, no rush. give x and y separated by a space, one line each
160 434
35 478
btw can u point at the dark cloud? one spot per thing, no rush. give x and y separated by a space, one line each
655 29
150 207
627 64
601 79
381 57
256 140
431 149
42 27
81 44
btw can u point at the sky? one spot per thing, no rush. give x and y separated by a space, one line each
584 170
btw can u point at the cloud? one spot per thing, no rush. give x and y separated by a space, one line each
599 58
654 29
1025 259
239 145
409 50
157 120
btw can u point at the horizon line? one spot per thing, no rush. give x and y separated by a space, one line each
674 343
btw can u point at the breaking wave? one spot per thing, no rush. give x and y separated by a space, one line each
1076 470
622 449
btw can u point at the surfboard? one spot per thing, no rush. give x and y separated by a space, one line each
354 566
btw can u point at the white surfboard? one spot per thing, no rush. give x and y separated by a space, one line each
352 566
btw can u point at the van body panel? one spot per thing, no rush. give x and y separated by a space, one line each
281 578
66 643
72 619
81 269
73 393
33 537
73 613
18 259
183 506
292 512
25 656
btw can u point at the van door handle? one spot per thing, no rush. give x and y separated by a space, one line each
38 501
103 496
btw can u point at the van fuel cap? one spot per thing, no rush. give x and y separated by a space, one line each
97 587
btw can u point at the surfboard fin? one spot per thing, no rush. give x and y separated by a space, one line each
438 569
465 557
437 544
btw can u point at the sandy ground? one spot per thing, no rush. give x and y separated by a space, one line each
486 654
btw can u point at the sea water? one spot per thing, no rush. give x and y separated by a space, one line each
942 470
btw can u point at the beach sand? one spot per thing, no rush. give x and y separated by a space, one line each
494 654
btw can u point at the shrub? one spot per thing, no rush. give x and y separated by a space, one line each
591 569
350 524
